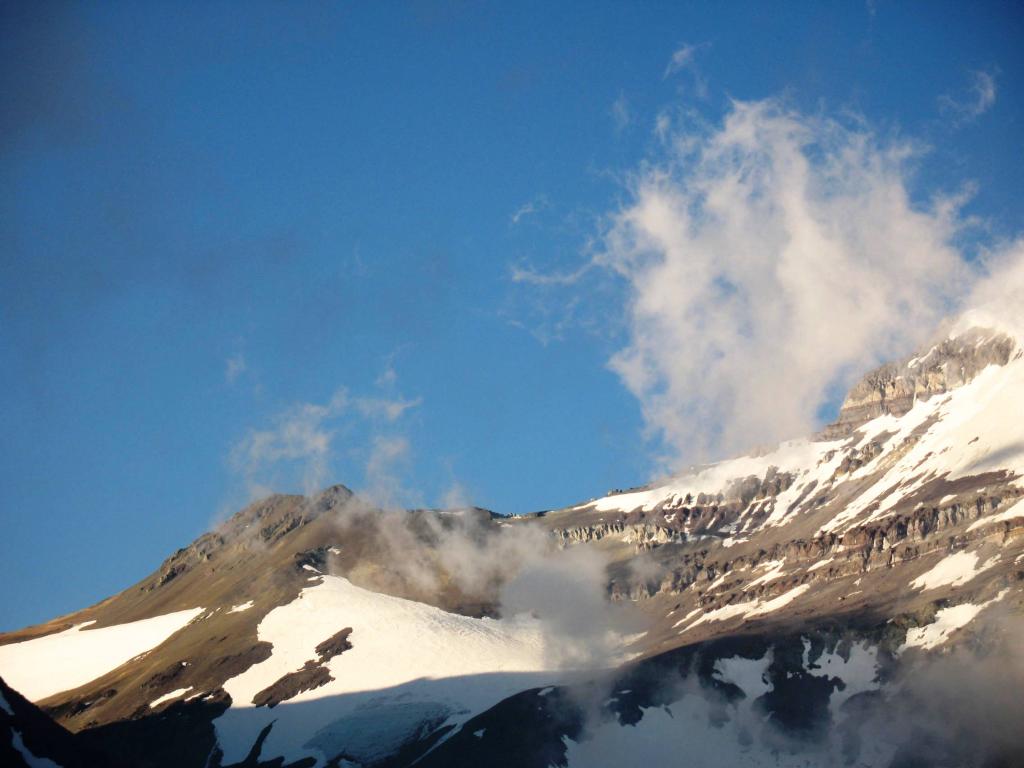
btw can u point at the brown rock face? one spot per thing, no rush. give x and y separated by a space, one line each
312 675
334 645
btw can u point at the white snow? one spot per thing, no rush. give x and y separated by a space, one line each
967 431
717 582
5 706
409 662
779 602
480 734
859 672
243 607
687 617
954 570
168 696
679 733
792 456
947 621
748 609
63 661
1017 510
749 674
774 571
973 433
30 759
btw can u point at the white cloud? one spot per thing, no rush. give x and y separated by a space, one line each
388 409
234 367
662 125
300 435
681 58
524 274
300 443
976 101
383 486
684 58
622 115
765 261
999 295
527 209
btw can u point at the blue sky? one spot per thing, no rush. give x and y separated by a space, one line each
276 245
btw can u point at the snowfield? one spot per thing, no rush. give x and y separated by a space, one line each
412 667
47 665
749 609
954 571
947 621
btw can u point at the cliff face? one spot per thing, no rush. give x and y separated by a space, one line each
893 388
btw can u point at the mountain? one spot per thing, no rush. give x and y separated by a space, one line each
851 598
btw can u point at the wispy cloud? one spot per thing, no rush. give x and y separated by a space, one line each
765 259
622 115
681 58
387 409
234 367
975 101
539 203
300 442
525 274
684 58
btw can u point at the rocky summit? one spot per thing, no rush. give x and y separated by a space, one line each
850 598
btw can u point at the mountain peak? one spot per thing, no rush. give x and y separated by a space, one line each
974 342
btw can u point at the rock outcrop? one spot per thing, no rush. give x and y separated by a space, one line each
893 388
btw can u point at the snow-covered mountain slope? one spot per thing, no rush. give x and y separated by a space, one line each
406 663
769 607
47 665
847 522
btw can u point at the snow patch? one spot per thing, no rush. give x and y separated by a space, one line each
243 607
168 696
947 621
749 609
749 674
955 570
30 759
43 666
1017 510
791 456
774 571
820 564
